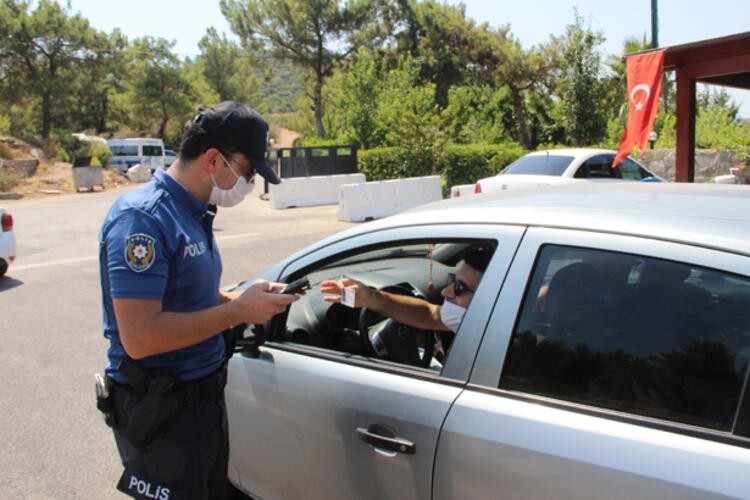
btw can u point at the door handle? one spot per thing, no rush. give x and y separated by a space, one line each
392 444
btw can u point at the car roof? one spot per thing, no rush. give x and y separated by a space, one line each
710 215
572 152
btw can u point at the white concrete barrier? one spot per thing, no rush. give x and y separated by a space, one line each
372 200
462 190
309 191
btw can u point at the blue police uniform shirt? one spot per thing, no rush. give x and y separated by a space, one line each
157 243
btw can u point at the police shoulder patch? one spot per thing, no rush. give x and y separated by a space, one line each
139 251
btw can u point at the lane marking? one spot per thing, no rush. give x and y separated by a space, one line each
63 262
236 236
13 268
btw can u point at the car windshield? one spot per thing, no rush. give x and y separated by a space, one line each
546 164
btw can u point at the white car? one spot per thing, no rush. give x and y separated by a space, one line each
169 157
604 354
556 166
7 241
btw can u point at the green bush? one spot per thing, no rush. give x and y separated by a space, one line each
9 180
72 147
102 153
465 164
63 156
4 124
381 164
172 140
311 141
457 164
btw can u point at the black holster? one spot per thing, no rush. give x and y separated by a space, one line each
151 402
151 412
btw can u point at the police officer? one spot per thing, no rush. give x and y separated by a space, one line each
164 311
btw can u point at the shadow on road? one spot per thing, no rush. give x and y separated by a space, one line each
6 283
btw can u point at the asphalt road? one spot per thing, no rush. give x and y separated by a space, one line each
53 440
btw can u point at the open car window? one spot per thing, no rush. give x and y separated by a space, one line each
418 269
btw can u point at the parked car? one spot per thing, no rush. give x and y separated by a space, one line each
7 241
557 166
169 157
605 353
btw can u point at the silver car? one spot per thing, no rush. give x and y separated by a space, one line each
604 354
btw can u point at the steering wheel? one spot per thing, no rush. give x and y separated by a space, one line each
383 337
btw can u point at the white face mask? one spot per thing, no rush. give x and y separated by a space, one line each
451 315
232 196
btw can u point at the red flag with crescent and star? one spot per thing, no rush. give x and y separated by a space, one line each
644 88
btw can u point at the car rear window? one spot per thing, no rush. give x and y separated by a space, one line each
635 334
546 164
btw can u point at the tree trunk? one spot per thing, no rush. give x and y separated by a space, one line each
163 126
46 115
102 112
523 131
318 104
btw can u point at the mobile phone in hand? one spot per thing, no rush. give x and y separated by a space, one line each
297 285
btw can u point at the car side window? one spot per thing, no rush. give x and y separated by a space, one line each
631 170
597 167
634 334
416 269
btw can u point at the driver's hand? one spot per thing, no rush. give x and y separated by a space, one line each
362 293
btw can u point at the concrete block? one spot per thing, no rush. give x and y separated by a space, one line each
373 200
310 191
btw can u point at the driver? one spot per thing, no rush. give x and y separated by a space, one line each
416 312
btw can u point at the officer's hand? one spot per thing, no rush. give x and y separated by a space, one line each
263 300
362 293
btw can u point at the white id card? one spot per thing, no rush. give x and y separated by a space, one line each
348 297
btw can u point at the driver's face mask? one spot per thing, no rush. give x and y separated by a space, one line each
232 196
451 315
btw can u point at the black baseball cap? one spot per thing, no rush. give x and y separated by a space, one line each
242 127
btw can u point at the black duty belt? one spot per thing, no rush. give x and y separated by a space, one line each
204 388
192 391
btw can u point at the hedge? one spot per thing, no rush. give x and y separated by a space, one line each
466 164
380 164
457 164
312 141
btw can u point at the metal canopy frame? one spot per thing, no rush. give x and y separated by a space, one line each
721 61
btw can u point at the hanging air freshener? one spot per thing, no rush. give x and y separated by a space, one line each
430 283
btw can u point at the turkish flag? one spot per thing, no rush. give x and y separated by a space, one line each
644 87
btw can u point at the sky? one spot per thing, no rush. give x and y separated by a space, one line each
531 21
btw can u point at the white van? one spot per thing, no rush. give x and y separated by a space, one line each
128 152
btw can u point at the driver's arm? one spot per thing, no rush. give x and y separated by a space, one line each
410 311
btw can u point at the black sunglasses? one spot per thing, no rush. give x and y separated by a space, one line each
459 286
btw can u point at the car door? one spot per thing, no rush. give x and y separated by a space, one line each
626 387
316 422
